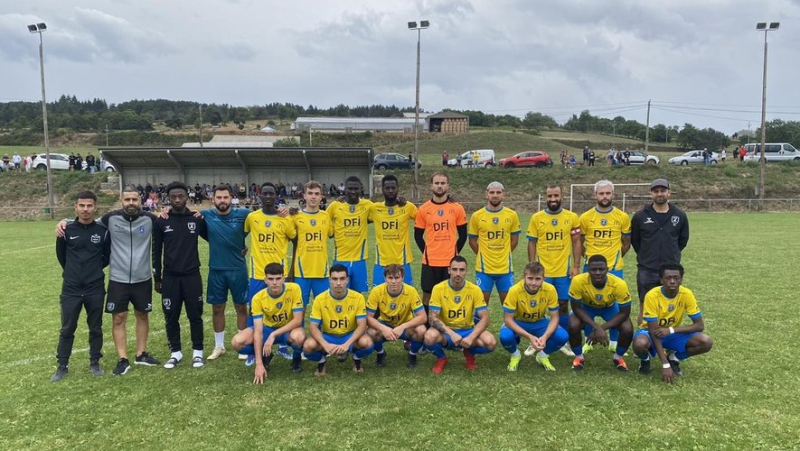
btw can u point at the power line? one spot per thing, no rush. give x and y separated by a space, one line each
703 115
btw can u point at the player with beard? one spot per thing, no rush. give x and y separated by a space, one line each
350 219
391 220
554 240
493 233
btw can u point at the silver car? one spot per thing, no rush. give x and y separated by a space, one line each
693 157
640 158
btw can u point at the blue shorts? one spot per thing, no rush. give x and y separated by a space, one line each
338 339
606 313
486 282
255 286
462 332
357 274
673 342
221 281
617 272
537 329
405 335
282 339
562 286
377 275
307 285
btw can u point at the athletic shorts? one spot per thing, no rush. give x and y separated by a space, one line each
646 280
617 272
282 339
562 286
405 336
357 275
377 275
139 294
673 342
431 275
307 285
185 289
486 282
606 313
462 332
338 339
222 281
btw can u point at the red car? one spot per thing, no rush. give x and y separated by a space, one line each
527 159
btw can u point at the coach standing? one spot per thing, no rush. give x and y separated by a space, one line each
659 232
83 252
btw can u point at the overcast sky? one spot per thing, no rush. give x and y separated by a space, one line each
700 61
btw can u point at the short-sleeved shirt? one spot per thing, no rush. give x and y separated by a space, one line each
226 239
553 234
440 222
603 234
392 244
277 311
494 229
615 291
669 312
269 241
394 310
338 316
531 307
313 231
457 308
350 225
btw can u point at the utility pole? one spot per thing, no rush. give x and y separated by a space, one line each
106 135
647 130
200 107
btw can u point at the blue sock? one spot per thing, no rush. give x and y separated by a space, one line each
563 321
577 350
511 348
621 350
613 335
361 353
415 346
315 356
475 350
436 349
682 355
297 351
378 345
249 350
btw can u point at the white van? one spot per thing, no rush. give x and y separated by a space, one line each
774 152
466 160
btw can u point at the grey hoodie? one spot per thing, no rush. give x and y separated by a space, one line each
130 246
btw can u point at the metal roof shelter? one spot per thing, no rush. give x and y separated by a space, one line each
357 124
138 165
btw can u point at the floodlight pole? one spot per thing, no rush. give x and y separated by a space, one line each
413 26
40 28
762 159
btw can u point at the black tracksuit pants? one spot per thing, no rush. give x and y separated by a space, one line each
177 292
71 306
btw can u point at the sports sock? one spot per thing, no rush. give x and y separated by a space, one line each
378 346
297 352
219 339
618 356
620 351
315 356
563 321
178 355
249 350
475 350
543 354
577 350
197 353
359 353
516 353
682 355
672 356
436 349
415 347
512 348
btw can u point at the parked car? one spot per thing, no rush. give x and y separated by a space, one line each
774 152
485 159
640 158
384 161
60 161
693 157
532 159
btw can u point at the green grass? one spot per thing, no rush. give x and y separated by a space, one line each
743 395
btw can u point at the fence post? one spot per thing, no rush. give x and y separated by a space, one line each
749 205
539 203
709 205
624 197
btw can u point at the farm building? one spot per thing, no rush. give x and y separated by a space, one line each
448 122
357 124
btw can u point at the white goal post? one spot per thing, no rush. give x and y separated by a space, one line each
616 185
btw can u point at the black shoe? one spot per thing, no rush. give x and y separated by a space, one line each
297 366
342 357
94 367
676 367
357 366
146 359
122 367
61 371
412 361
266 360
644 366
381 362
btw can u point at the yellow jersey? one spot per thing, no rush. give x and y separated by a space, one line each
494 229
350 226
277 311
457 308
669 312
269 241
603 234
553 233
313 231
392 244
338 316
394 310
529 308
614 291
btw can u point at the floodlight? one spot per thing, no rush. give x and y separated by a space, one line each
32 28
426 24
41 26
412 25
774 25
761 26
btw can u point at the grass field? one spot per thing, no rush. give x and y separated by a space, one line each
743 395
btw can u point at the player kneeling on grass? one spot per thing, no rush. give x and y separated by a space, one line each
338 323
531 311
598 293
277 313
395 311
664 309
454 305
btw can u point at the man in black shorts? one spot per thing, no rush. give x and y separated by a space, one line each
176 238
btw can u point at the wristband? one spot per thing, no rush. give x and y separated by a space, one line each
672 330
666 365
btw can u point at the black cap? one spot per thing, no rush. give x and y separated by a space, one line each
659 183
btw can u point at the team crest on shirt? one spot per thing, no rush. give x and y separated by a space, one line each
598 297
110 307
554 222
440 212
95 238
675 220
279 305
533 302
671 307
313 223
141 229
267 223
604 222
352 209
191 226
390 211
495 220
393 306
338 309
457 299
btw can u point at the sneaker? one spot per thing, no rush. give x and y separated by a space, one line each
620 364
644 366
566 350
469 360
94 368
171 363
297 367
242 356
357 368
577 363
284 352
530 351
587 347
198 362
381 361
676 367
216 353
267 360
514 362
61 371
250 360
322 369
146 359
412 361
439 366
545 362
407 345
342 357
122 367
